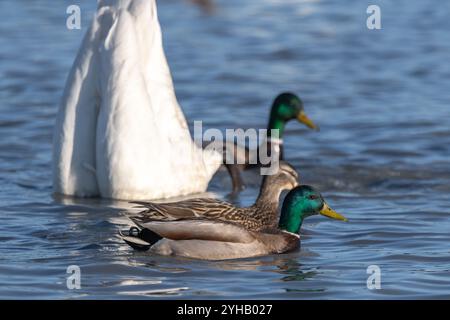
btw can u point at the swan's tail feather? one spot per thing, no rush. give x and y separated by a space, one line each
120 97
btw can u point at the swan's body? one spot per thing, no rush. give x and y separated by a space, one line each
120 132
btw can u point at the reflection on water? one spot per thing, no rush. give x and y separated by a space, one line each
293 272
381 158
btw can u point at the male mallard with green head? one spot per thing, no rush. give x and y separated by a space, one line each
213 239
286 107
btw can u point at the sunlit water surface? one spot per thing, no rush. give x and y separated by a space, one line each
382 100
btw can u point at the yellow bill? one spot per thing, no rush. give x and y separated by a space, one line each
330 213
303 118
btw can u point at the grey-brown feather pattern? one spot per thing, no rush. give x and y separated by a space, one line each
262 215
220 248
198 229
251 217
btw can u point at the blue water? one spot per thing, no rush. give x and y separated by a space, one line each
382 100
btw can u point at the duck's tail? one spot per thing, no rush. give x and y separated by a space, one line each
139 239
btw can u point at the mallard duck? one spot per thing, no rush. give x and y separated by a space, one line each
120 132
213 239
261 215
286 106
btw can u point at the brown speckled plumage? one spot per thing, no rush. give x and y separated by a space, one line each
261 215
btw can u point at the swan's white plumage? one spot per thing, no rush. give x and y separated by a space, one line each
120 132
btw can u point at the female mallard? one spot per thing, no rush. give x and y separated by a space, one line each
286 107
262 214
213 239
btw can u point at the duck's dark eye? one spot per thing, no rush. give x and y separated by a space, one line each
313 197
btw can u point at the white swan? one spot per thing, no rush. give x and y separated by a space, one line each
120 132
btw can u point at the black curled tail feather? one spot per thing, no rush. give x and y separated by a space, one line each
140 239
149 236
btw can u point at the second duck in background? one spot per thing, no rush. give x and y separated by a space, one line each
286 107
261 215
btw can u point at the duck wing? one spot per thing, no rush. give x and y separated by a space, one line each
198 229
193 208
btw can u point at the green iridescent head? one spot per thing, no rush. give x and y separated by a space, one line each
286 107
301 202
